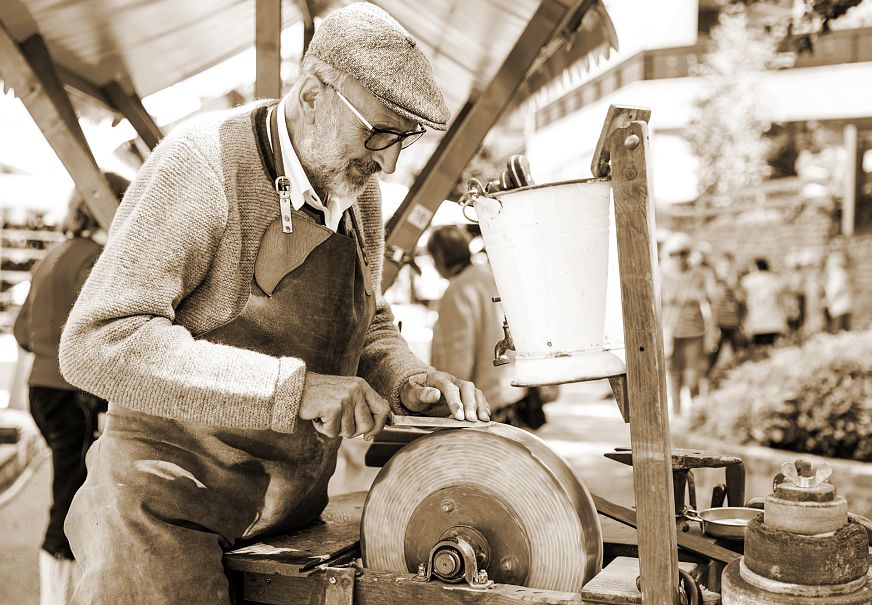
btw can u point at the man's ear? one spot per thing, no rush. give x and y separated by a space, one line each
310 88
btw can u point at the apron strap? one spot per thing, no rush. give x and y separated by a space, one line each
282 179
282 182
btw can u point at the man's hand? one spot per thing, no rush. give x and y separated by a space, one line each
343 405
441 394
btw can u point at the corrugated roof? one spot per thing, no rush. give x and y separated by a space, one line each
153 44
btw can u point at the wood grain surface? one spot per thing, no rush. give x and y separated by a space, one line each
646 364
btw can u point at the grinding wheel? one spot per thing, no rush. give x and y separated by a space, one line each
537 522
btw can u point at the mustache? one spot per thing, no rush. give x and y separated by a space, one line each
368 167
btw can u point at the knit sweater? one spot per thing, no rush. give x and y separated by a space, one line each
178 263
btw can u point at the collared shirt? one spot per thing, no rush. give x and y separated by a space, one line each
302 191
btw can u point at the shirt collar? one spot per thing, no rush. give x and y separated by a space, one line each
302 191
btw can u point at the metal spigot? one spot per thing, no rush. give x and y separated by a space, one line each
503 345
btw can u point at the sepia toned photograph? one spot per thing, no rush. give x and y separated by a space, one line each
395 302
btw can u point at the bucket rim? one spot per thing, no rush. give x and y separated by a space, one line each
498 194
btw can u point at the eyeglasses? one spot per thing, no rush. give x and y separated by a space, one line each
381 138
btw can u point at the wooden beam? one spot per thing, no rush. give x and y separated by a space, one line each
83 85
308 12
374 587
36 52
130 106
467 132
40 89
646 363
268 44
692 541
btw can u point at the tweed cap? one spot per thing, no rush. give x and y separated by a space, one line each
370 46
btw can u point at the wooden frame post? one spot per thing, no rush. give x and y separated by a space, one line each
308 12
35 81
268 44
461 142
625 136
130 106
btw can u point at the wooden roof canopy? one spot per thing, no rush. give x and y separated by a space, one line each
486 55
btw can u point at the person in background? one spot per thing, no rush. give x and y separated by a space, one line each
794 297
838 293
689 329
765 303
728 307
468 328
66 416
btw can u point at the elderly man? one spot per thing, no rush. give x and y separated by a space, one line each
235 321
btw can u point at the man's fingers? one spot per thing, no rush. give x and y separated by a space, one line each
347 421
327 425
452 397
482 406
470 403
362 418
380 411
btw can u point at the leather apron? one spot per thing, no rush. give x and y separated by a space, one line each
164 498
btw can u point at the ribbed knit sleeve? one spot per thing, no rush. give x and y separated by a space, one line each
386 362
122 341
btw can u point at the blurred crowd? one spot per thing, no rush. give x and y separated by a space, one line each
719 310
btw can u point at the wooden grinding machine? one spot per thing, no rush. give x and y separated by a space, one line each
804 549
494 503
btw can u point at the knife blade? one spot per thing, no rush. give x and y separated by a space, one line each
400 421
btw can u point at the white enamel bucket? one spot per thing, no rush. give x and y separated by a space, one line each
549 248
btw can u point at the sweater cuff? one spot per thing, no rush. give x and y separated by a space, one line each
289 392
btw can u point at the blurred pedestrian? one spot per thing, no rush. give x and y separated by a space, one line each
838 293
689 329
66 416
728 307
794 297
766 311
468 328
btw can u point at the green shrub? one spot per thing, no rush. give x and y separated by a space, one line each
815 398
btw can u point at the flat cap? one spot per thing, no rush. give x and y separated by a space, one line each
370 46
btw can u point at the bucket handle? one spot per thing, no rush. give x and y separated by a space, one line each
474 191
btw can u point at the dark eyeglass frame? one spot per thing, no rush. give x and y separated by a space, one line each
404 138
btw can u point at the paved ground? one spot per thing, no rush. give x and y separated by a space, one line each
582 425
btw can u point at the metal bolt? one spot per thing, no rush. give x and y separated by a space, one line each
482 577
508 564
422 570
632 141
447 506
286 217
630 174
332 580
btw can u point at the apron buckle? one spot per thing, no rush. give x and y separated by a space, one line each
283 188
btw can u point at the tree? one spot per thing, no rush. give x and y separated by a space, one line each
727 131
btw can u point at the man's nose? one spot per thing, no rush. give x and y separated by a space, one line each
387 158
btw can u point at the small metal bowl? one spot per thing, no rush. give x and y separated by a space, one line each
725 521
